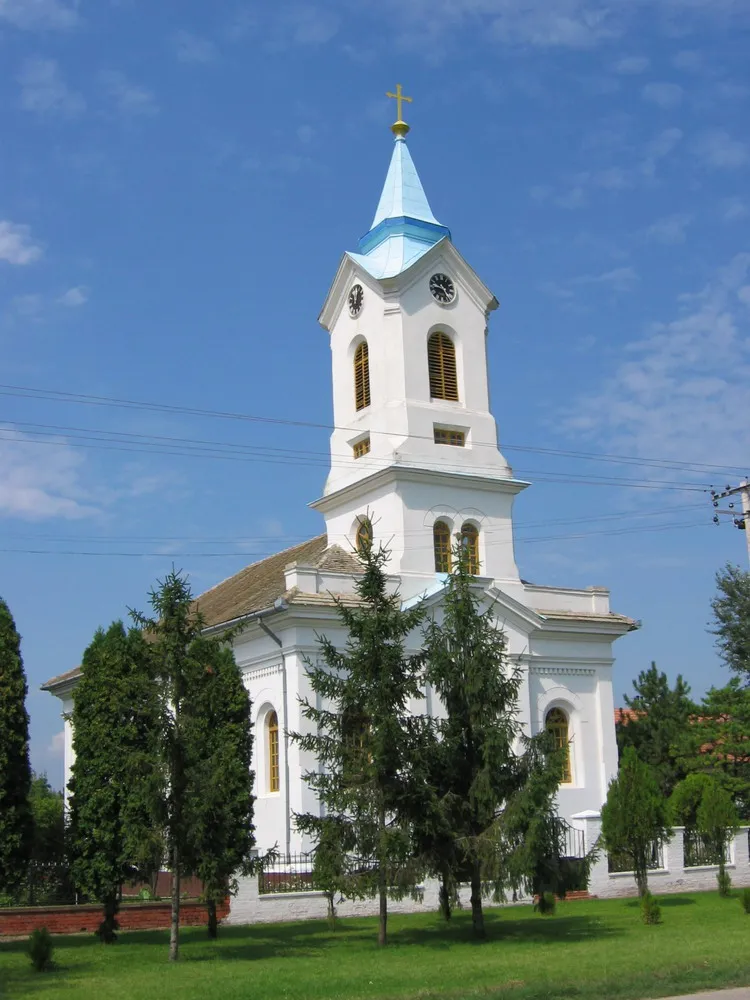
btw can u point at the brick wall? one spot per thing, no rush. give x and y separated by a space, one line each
21 920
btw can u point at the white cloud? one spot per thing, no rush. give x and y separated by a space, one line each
619 279
670 229
306 24
77 296
192 48
553 24
16 244
678 390
734 209
658 148
718 149
39 15
56 746
40 481
44 91
665 95
305 134
688 60
130 98
631 65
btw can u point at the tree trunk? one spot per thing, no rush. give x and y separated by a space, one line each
477 914
213 923
331 911
174 930
109 925
382 884
445 898
641 880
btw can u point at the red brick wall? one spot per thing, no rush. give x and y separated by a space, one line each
21 920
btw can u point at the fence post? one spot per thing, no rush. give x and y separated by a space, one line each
674 852
591 822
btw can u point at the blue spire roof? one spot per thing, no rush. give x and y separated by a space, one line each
404 227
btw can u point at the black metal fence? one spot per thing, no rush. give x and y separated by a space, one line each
44 885
623 862
290 873
696 852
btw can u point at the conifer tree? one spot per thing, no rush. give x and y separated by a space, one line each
218 809
191 705
634 817
717 820
490 800
15 770
731 625
370 746
116 777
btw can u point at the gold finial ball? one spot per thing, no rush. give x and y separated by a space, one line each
400 129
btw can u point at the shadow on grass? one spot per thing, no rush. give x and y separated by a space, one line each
664 901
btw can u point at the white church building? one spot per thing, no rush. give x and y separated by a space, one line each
415 462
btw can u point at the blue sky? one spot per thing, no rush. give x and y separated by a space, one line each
177 184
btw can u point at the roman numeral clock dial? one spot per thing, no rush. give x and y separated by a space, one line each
442 288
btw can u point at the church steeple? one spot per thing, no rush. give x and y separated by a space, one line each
404 227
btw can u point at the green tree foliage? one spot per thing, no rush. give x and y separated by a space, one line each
218 806
717 820
492 815
199 700
731 625
686 798
15 770
48 812
116 776
634 817
369 745
661 716
717 741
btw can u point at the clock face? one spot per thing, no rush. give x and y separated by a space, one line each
442 288
356 298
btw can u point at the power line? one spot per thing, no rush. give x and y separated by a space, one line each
55 395
183 447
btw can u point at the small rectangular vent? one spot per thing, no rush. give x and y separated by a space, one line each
445 436
361 448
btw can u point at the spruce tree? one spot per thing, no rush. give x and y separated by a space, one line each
15 770
731 624
369 745
634 817
661 715
218 808
116 777
489 800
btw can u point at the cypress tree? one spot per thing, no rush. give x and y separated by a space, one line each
635 817
369 745
116 775
15 770
218 808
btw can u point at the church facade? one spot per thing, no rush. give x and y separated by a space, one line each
415 464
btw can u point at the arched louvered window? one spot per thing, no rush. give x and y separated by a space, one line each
361 376
441 362
274 774
557 724
441 540
470 545
364 535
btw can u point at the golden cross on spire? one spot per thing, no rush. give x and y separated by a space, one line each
399 127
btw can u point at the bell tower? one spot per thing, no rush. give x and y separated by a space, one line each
414 438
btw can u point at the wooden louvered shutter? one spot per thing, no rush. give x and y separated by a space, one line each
441 540
470 544
441 361
361 376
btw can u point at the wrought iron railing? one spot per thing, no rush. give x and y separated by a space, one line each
621 862
44 885
696 852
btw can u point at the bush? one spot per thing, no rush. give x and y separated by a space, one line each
745 900
724 882
650 910
545 904
40 949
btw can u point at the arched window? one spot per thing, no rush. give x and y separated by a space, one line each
441 363
361 376
470 546
557 724
364 535
272 728
441 541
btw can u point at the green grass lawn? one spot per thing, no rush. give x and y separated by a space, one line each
589 949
